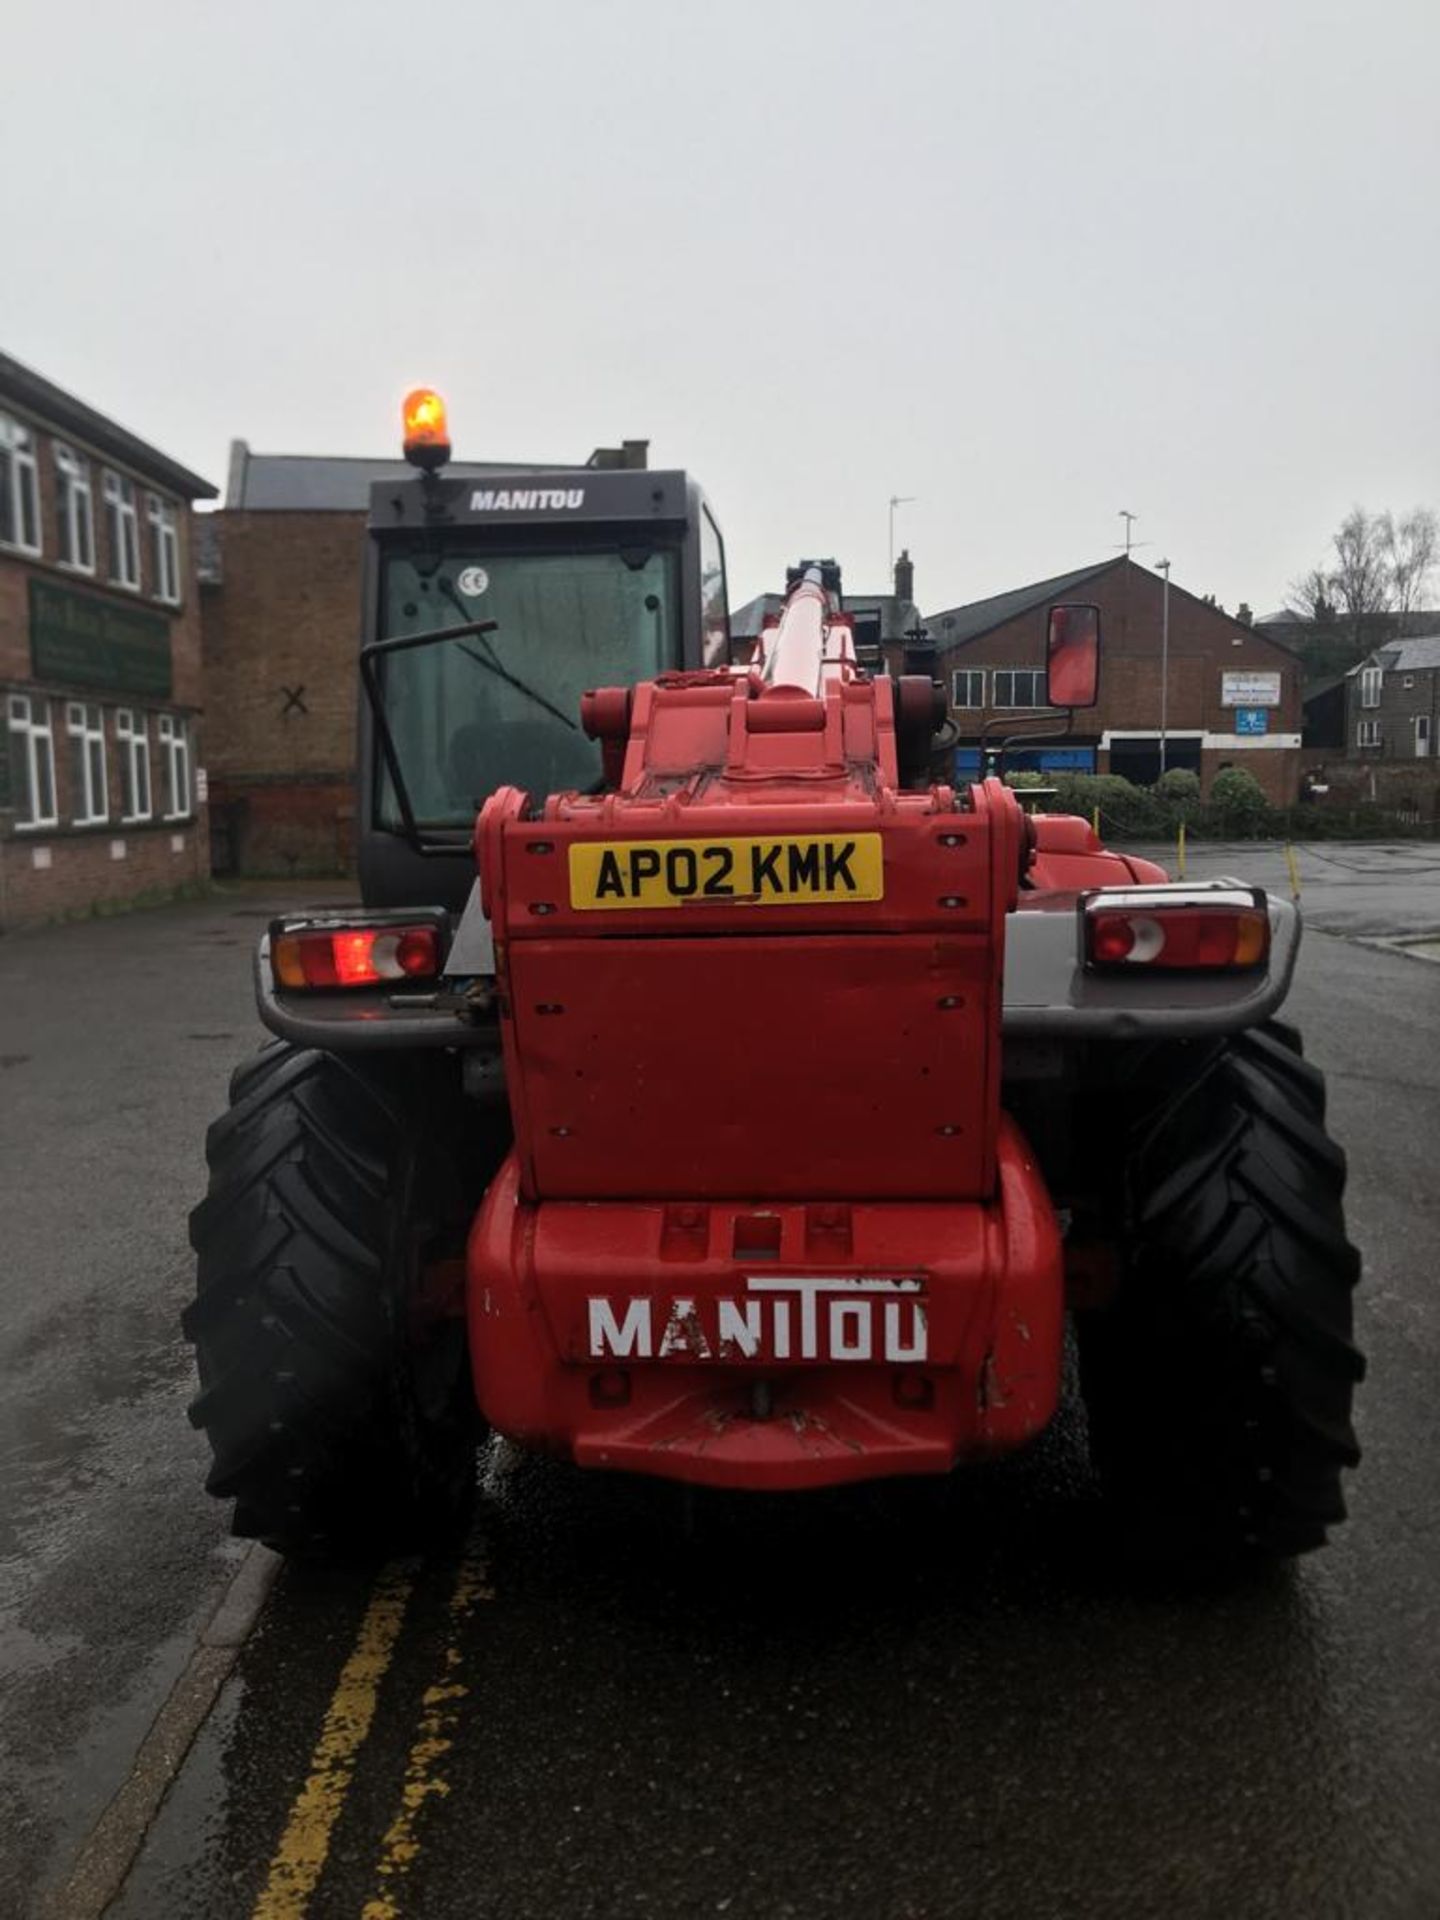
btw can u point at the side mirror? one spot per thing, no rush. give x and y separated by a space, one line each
1072 657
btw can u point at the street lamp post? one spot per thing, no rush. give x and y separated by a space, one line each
1164 566
896 500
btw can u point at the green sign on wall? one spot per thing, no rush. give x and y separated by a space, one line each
82 640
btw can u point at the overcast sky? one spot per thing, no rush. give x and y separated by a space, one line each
1030 262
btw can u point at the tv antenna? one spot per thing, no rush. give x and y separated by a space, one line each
1130 541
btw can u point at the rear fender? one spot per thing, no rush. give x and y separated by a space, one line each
1049 994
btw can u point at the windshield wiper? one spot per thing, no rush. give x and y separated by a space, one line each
370 656
488 660
492 665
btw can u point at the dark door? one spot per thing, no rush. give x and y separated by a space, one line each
1138 760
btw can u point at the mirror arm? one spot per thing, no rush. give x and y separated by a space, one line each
1045 732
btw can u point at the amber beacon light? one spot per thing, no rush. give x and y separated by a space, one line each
427 429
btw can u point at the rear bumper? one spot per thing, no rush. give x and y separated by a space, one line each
769 1347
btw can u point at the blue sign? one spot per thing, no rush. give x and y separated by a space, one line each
1252 720
1028 760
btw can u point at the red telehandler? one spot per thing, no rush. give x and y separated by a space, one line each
755 1124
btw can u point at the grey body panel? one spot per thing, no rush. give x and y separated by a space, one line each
363 1020
472 951
563 497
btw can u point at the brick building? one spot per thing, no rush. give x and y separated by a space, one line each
1392 702
99 660
281 577
1231 695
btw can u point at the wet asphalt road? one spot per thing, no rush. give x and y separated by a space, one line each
116 1044
920 1700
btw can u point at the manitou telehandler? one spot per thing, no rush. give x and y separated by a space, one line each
746 1105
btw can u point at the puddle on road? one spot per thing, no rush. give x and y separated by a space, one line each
62 1420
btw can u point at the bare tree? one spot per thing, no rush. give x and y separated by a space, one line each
1360 581
1311 596
1410 546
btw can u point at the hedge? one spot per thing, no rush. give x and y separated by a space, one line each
1237 809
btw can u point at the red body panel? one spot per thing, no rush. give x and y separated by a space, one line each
1070 858
764 1224
733 1049
987 1382
658 1075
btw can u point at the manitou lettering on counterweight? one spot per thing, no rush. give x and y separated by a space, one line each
840 1318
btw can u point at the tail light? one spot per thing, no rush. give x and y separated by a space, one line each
1215 930
330 953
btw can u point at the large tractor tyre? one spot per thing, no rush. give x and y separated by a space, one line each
1218 1384
264 1061
328 1325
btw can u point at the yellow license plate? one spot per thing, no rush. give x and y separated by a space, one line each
787 872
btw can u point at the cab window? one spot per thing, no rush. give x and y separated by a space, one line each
714 601
503 708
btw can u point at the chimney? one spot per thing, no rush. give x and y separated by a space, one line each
236 477
905 576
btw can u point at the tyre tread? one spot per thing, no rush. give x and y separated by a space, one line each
318 1173
1219 1385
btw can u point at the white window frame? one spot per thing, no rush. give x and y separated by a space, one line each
20 486
1422 736
122 529
1037 680
1371 679
164 547
85 724
967 674
38 735
174 737
132 743
74 509
1367 733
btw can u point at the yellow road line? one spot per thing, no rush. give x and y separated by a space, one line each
440 1710
300 1857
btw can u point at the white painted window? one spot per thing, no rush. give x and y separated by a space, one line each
1367 733
75 508
32 761
89 793
1370 679
122 529
19 487
967 687
175 751
1422 736
1018 687
164 548
132 742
